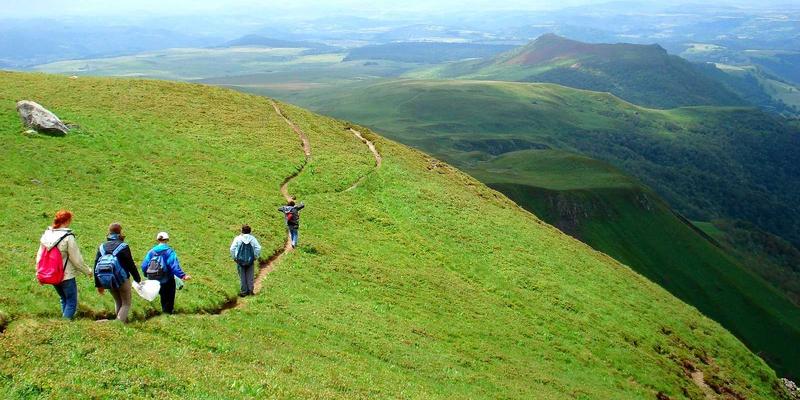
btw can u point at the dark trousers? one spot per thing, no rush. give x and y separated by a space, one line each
167 294
246 278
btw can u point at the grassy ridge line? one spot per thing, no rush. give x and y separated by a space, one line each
643 74
403 288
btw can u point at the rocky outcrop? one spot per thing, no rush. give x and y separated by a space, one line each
791 389
40 119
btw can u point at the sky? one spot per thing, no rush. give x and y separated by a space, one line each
53 8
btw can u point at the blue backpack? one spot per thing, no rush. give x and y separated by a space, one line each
109 271
245 256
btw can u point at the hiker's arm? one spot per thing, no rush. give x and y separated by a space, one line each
126 260
256 248
75 256
176 266
301 206
234 246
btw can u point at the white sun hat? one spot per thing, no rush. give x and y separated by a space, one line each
162 236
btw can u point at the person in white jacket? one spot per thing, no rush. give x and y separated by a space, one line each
68 289
245 250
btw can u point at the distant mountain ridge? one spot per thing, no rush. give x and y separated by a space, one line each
551 47
642 74
263 41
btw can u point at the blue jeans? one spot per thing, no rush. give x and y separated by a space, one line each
68 292
293 236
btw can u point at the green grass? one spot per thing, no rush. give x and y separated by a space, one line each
770 257
611 212
552 169
705 160
403 288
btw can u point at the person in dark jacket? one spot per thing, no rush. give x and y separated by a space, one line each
291 213
172 268
122 296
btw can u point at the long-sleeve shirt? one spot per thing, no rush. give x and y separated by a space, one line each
69 251
245 238
124 256
294 223
171 263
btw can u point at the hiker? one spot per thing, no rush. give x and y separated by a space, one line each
59 260
161 264
245 250
292 214
114 266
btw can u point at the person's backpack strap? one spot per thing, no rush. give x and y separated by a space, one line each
102 250
66 259
119 248
60 239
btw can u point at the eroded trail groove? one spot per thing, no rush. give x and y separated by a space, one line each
375 153
269 265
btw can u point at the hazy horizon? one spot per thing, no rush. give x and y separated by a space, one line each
312 8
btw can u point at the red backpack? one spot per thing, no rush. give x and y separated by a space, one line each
51 266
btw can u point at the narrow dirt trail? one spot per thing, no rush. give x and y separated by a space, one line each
699 379
378 157
269 265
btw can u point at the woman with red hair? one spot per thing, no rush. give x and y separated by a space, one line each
60 235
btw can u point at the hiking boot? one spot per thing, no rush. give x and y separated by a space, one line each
242 294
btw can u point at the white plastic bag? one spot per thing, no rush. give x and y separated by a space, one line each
148 289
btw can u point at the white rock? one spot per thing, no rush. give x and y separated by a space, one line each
36 117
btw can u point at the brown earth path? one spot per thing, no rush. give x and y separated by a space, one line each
375 153
265 267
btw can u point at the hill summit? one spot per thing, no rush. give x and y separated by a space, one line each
642 74
552 48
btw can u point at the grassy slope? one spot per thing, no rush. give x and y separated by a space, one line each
402 288
775 260
613 214
487 112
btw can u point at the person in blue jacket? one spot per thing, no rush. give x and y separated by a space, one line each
161 264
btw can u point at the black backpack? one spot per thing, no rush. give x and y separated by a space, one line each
245 256
157 269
